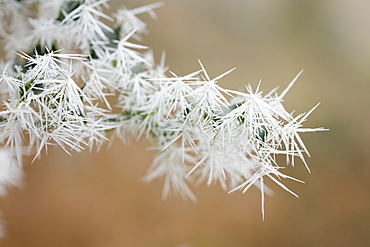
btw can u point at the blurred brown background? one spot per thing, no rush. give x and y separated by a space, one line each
98 199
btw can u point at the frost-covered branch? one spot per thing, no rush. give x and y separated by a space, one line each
68 61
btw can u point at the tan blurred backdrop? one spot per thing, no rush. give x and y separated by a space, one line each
98 199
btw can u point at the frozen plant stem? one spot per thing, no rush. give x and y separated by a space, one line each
71 56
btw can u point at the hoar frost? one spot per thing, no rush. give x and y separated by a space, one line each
65 58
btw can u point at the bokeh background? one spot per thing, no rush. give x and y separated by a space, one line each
98 199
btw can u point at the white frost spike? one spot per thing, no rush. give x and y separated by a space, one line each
281 96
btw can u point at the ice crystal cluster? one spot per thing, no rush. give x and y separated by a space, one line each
63 61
